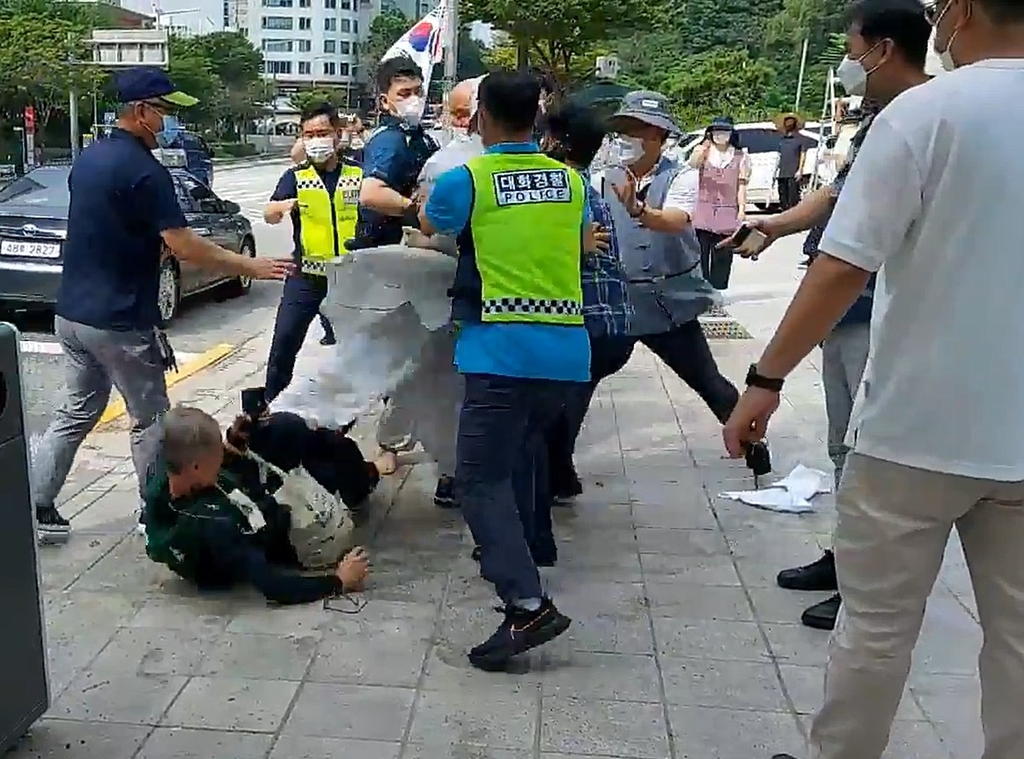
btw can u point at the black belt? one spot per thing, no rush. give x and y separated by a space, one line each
661 278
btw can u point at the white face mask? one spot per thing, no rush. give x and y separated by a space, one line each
945 55
410 110
319 149
721 139
627 150
853 76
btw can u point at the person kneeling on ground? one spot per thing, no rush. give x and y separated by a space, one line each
206 529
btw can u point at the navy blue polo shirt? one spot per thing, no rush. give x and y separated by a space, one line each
394 154
288 188
122 198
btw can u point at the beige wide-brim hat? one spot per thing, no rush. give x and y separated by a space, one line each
780 120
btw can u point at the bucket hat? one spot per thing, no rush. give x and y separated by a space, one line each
645 106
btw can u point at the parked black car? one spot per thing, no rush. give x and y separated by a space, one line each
33 226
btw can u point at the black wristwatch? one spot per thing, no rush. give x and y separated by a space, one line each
765 383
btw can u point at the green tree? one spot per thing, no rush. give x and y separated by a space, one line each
305 98
232 57
385 31
719 83
560 36
194 73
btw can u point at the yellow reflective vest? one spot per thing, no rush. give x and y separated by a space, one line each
324 226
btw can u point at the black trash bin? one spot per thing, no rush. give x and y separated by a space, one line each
26 695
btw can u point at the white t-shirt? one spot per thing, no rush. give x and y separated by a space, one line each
935 196
682 193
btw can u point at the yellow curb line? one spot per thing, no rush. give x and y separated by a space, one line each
116 409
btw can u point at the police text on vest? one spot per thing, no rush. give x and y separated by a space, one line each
513 188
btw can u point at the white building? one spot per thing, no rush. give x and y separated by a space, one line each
307 43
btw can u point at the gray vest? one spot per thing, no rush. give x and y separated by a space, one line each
665 282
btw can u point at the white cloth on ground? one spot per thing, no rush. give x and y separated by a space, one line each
792 494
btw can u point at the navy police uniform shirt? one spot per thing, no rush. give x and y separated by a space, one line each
122 198
394 154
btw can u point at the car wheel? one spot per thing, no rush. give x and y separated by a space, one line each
169 294
241 285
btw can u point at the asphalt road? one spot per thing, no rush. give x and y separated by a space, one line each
205 321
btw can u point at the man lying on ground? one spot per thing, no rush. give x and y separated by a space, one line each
213 529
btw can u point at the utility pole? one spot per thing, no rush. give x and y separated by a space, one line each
800 78
451 46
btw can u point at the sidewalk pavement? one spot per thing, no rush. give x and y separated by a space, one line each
682 646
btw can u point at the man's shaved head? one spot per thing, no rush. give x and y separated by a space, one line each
460 102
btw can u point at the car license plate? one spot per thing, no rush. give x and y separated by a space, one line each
30 249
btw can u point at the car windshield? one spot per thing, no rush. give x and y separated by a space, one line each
47 186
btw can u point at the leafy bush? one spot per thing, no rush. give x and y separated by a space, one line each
233 150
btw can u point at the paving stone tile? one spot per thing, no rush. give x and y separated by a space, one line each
609 633
181 743
206 615
261 657
691 517
796 644
806 687
726 684
710 639
916 740
684 600
126 569
128 698
609 728
261 619
310 747
681 542
228 703
463 751
612 677
734 734
389 653
778 605
449 670
148 651
700 570
350 711
63 739
452 719
587 596
62 565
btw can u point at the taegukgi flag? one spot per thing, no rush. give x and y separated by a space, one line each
424 43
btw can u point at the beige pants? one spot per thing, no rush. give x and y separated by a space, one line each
894 523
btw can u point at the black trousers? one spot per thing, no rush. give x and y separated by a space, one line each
715 262
300 304
684 350
789 192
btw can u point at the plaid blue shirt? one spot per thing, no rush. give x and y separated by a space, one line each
606 306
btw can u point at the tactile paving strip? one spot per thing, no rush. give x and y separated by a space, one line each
718 328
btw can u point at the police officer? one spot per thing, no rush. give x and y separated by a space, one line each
123 218
394 155
320 196
519 217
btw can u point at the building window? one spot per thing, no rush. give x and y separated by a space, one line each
330 4
305 46
346 25
279 67
343 69
282 23
305 24
346 47
330 25
355 27
346 5
329 46
305 68
276 46
278 3
304 3
330 69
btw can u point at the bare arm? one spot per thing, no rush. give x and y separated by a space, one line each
699 154
671 220
188 246
376 195
811 211
276 210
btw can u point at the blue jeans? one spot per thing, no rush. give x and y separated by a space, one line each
501 472
300 304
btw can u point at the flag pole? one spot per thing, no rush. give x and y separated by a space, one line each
451 44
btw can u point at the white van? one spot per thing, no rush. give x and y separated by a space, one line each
760 141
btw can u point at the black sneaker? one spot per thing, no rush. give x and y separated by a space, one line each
818 575
475 556
328 340
520 631
444 494
822 616
51 526
566 487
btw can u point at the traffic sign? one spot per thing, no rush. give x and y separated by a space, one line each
30 119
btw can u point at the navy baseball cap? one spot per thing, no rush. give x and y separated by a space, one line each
150 83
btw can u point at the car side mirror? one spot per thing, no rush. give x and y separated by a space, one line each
200 192
231 207
211 204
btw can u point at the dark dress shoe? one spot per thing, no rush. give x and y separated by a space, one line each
818 575
822 616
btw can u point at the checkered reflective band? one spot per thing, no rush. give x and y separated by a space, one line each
314 266
309 184
349 188
530 306
516 188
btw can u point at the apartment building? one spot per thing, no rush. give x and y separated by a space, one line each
308 43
